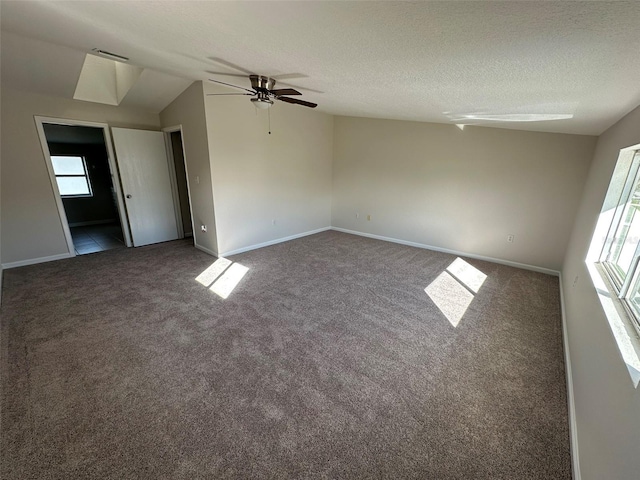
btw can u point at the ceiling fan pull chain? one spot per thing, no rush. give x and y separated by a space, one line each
269 114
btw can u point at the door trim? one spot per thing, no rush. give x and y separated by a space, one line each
174 183
173 177
115 175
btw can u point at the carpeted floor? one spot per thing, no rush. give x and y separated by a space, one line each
334 357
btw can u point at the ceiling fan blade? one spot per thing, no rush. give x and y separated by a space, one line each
211 72
289 76
299 87
222 61
298 102
249 94
234 86
285 91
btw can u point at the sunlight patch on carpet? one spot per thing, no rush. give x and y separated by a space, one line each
229 280
467 274
453 290
222 276
208 276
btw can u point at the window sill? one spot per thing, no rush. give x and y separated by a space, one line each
623 330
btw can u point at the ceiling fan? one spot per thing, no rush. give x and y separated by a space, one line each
262 89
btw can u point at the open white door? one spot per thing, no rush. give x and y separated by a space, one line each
144 171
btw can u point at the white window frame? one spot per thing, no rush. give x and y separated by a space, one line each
613 291
85 175
625 286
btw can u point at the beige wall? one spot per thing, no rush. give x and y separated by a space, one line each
1 268
188 110
433 184
31 226
463 190
258 178
607 405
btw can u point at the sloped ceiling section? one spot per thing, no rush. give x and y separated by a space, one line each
154 90
103 80
42 67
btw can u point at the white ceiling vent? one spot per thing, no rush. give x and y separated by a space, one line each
103 80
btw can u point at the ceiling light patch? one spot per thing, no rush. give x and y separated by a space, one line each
542 112
516 117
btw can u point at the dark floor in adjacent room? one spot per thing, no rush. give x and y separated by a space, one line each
332 356
97 238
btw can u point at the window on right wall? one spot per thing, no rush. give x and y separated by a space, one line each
613 260
620 256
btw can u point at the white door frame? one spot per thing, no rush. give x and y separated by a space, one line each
115 176
174 182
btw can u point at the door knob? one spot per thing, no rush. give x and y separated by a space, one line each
129 195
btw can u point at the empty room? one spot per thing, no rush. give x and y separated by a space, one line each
318 239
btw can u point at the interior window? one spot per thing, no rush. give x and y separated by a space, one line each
72 176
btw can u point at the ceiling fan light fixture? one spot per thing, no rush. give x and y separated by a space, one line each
262 103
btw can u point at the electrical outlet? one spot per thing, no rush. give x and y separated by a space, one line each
203 228
357 215
368 218
510 238
575 280
273 222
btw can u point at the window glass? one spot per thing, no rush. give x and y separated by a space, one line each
634 299
621 255
626 236
71 176
68 165
73 186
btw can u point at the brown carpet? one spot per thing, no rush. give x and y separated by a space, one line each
328 360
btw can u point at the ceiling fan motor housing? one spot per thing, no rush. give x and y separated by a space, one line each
264 93
261 83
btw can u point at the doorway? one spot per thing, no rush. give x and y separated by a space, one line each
89 187
179 181
80 163
86 185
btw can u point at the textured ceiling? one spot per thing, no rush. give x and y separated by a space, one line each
426 61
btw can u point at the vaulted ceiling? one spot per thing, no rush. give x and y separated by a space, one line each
448 62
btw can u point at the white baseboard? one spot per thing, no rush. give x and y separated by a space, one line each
573 430
204 249
33 261
509 263
273 242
